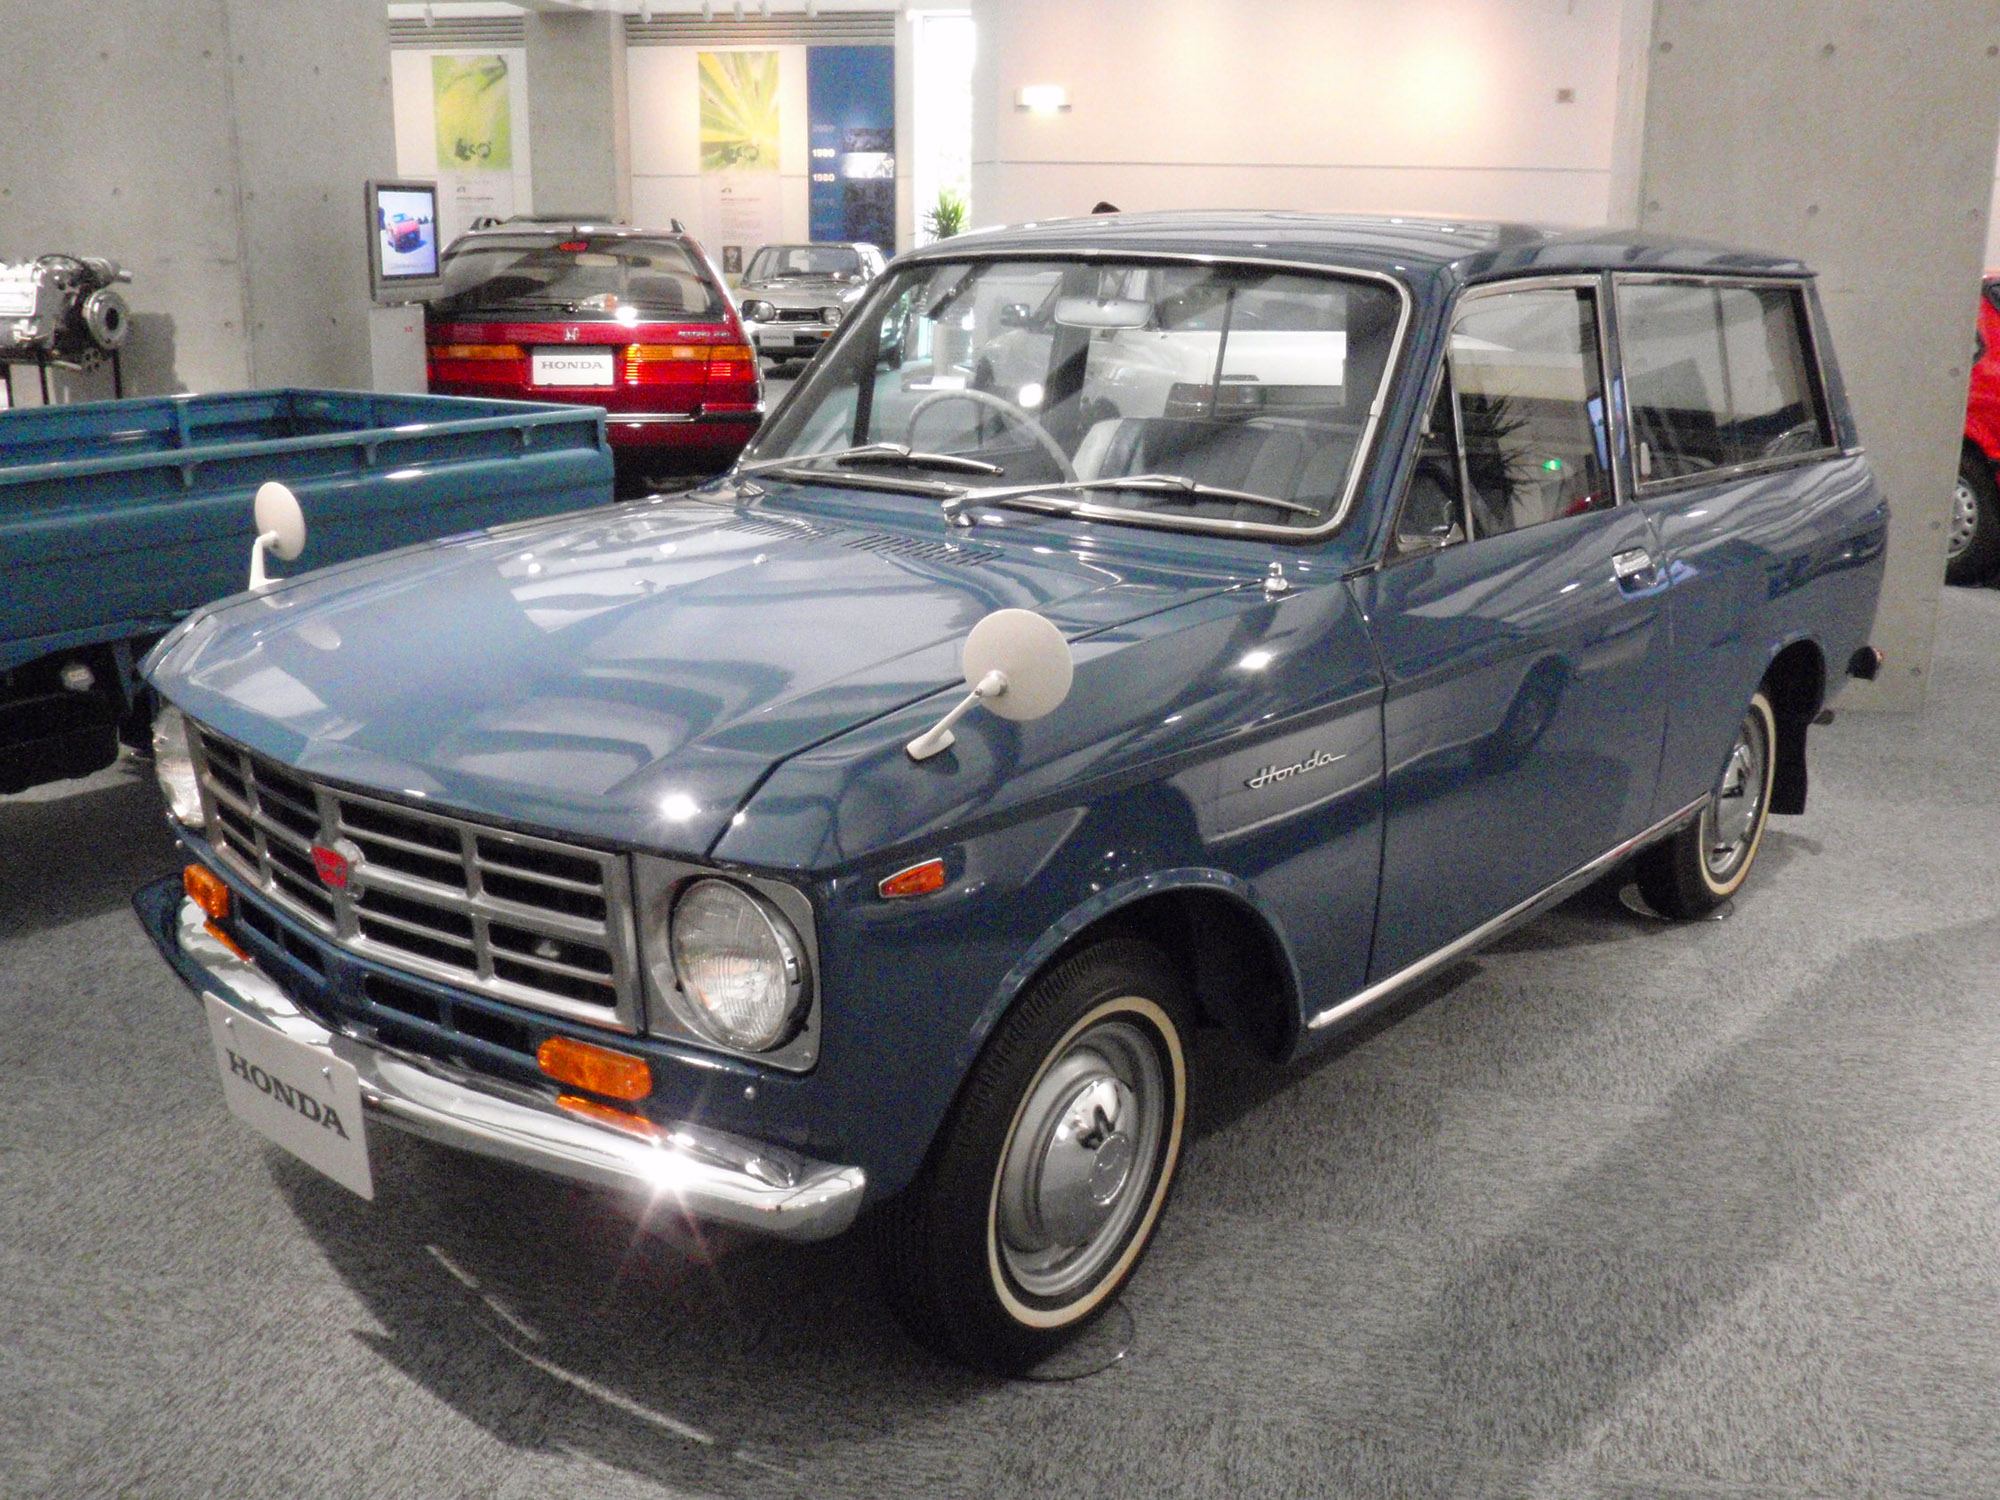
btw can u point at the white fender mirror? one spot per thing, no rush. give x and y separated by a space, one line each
1017 664
281 529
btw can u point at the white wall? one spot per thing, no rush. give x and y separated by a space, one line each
663 86
1420 106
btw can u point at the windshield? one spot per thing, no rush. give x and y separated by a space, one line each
540 273
1223 393
776 261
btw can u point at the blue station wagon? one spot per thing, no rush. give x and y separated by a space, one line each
1127 624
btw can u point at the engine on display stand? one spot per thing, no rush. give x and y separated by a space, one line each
63 310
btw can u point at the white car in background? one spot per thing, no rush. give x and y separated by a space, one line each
792 297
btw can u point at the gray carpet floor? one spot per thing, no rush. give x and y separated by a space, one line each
1618 1209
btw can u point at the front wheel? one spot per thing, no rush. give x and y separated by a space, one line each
1044 1187
1703 865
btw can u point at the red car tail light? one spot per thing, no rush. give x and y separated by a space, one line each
664 364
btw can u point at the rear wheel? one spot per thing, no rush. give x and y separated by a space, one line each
1044 1187
1972 551
1703 865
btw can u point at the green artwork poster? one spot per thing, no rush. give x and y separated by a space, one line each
474 126
739 111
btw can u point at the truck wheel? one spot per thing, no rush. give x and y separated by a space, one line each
1043 1189
1972 553
1697 869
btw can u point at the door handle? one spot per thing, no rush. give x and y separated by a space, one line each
1632 564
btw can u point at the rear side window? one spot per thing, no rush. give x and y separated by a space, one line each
1716 377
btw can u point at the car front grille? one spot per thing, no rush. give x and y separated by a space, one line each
538 923
797 315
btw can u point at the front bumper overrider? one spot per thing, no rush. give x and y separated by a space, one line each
706 1174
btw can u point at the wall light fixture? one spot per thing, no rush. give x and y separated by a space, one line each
1042 99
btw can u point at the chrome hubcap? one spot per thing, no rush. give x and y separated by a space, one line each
1079 1168
1964 518
1730 822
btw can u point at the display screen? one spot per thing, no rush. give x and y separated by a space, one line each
406 223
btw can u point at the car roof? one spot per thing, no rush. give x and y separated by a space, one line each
1406 245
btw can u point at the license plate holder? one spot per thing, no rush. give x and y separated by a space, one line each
295 1096
573 366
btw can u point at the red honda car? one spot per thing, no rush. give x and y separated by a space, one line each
633 320
1973 553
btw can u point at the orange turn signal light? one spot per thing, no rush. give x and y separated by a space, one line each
616 1075
646 354
604 1114
476 351
918 880
206 890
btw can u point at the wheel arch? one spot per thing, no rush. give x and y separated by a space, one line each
1795 682
1209 924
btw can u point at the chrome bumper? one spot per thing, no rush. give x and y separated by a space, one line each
706 1174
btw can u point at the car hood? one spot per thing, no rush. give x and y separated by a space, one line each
629 674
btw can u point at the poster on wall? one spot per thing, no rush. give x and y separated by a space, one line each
851 103
741 205
472 102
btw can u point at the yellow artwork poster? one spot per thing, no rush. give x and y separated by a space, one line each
739 111
475 129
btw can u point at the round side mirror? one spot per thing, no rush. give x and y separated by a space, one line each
277 511
1030 653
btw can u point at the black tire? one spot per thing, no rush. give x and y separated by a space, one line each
1697 869
1006 1245
1972 550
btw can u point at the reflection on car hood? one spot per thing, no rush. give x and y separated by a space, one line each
629 673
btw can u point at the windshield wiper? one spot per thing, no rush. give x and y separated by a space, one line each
1163 484
899 454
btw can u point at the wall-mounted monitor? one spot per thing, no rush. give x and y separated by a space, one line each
402 241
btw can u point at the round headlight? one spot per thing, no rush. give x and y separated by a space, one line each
759 312
829 315
742 970
173 764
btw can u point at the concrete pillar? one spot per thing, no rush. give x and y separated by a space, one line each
217 149
577 114
1860 136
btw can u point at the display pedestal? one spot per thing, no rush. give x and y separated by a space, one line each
396 349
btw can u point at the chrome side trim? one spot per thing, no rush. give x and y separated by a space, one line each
707 1174
1486 932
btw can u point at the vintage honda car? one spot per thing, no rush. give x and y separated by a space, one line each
633 320
792 297
865 831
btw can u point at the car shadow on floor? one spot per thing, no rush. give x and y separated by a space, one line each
547 1312
76 850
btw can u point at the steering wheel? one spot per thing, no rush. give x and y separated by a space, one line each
1006 409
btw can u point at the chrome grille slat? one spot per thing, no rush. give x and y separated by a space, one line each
442 931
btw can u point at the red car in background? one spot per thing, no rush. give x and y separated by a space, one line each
1973 553
633 320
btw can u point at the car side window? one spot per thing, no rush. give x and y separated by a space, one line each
1530 390
1433 512
1716 376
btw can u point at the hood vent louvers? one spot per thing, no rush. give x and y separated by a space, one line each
918 550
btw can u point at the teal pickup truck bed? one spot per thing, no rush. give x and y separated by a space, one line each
119 517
